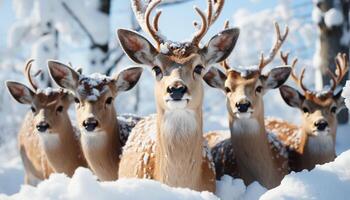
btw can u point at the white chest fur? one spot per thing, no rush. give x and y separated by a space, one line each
49 140
179 123
321 144
245 126
92 140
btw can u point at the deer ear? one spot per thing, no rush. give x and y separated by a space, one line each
291 96
220 46
127 78
20 92
340 100
138 48
63 75
215 78
276 77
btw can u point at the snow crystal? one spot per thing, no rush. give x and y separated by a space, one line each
48 91
246 70
346 94
333 17
164 49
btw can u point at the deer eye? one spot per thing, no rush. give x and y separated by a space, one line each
305 110
109 100
76 100
258 89
227 90
157 70
59 109
32 109
198 69
334 109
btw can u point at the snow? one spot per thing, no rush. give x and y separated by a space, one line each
231 189
346 94
328 181
333 17
83 185
317 15
245 70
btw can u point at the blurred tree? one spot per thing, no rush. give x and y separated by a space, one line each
332 18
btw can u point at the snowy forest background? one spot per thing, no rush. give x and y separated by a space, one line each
82 32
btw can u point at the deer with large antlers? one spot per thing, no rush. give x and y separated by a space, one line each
248 153
169 147
314 142
47 140
101 132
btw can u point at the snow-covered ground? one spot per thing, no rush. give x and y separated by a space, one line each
321 183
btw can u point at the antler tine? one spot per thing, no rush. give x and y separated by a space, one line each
277 45
341 68
301 81
219 6
208 20
143 14
284 58
28 75
200 34
153 31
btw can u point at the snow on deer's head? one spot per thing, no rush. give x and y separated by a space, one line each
245 86
49 106
94 94
177 66
319 108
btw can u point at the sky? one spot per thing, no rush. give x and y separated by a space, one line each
180 16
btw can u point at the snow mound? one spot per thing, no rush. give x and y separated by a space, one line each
229 188
333 17
328 181
83 185
346 94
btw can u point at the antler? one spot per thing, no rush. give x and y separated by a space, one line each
295 78
207 20
28 75
277 45
143 13
342 66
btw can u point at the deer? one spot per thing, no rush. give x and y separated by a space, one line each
314 142
47 140
101 131
248 152
169 146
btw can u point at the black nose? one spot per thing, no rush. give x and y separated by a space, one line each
177 92
90 124
321 125
42 126
243 107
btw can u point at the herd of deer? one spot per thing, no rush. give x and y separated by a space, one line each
170 146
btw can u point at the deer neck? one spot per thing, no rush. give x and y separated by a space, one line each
318 149
62 148
255 159
102 149
179 147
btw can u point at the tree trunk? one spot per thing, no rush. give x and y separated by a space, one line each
331 44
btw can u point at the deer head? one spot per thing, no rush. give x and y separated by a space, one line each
177 66
245 86
94 94
319 108
49 106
